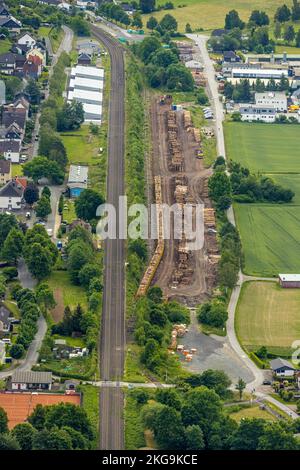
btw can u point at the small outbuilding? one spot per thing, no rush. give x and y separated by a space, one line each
78 178
291 281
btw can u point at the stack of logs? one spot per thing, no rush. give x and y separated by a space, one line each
175 151
156 258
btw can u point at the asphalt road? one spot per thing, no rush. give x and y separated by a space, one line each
112 340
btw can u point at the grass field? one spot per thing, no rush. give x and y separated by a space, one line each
268 315
134 433
5 45
263 147
65 293
91 405
253 412
270 237
210 14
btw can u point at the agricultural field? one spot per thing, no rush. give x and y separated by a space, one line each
268 315
270 237
210 14
262 147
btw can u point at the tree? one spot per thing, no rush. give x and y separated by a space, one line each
52 146
3 421
298 38
39 261
80 26
13 246
277 437
277 30
88 272
232 20
296 10
149 45
7 442
168 23
188 28
155 294
137 20
44 296
46 192
228 274
78 255
55 439
7 222
24 433
152 23
147 6
71 116
240 386
213 313
41 167
247 436
17 351
33 90
169 397
31 193
194 438
216 380
87 203
282 14
219 186
168 429
179 78
260 18
43 207
67 414
289 33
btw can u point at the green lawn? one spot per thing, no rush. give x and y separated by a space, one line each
5 45
253 412
210 14
289 181
268 315
91 405
69 213
270 237
44 31
56 36
268 148
134 433
72 295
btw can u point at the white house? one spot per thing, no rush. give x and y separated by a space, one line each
282 368
27 40
277 100
252 113
10 149
29 380
11 196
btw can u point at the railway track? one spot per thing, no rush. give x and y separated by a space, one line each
112 338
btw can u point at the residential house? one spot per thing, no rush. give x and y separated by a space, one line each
32 67
5 172
12 114
13 132
84 59
2 352
4 11
20 49
30 380
282 368
5 322
277 99
9 22
27 40
37 51
11 196
77 181
7 63
10 149
230 56
257 113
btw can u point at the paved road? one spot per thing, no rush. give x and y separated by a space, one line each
112 345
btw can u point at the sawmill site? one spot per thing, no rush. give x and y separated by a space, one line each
178 159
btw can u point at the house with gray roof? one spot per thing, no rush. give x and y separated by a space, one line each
11 195
31 380
282 368
78 178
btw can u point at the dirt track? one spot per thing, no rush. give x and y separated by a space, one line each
199 285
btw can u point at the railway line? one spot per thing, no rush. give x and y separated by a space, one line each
112 338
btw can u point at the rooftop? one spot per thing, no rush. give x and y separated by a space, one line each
4 166
31 377
289 277
87 71
78 174
279 363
